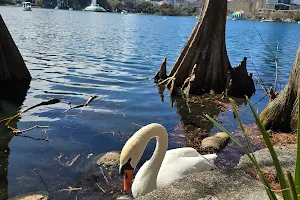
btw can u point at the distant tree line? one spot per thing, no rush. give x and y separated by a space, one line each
145 7
7 2
279 15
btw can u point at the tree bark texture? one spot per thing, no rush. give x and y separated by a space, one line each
203 63
281 113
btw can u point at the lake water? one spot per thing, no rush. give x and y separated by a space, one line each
73 54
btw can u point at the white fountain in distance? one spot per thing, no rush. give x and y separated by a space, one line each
94 7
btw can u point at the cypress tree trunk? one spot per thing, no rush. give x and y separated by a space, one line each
14 75
203 64
281 113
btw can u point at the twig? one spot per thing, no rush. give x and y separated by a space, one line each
263 40
82 105
137 124
27 136
276 63
254 104
68 163
48 102
42 180
260 81
100 188
104 176
166 80
275 56
16 131
70 189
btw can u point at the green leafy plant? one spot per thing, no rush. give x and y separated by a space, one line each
290 188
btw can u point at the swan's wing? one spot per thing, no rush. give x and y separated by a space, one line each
182 152
176 168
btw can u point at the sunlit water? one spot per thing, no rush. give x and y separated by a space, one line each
73 55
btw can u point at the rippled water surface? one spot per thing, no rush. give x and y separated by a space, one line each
73 54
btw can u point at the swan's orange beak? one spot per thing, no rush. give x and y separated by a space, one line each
127 179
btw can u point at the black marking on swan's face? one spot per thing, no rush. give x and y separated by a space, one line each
127 166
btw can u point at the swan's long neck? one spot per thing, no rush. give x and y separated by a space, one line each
159 152
161 135
146 179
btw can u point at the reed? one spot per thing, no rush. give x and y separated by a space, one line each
290 188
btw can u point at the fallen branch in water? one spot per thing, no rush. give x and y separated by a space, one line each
18 132
27 136
104 176
68 163
43 103
101 188
82 105
70 189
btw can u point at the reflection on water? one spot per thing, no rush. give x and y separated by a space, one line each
74 55
7 109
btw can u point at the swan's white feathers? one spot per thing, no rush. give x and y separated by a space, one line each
179 163
164 167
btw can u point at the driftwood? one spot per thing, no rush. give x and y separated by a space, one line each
203 64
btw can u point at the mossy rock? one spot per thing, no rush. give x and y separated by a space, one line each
32 196
214 143
109 159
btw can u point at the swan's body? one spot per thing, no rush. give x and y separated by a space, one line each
164 167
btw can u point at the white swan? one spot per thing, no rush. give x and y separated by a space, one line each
164 167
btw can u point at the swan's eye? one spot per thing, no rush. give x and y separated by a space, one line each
127 166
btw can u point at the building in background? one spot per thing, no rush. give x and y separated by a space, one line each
247 6
197 3
283 4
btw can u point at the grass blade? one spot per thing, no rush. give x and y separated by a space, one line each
297 170
292 185
241 125
232 137
270 193
283 184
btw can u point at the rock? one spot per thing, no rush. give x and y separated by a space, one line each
214 143
109 159
125 197
218 184
105 164
32 196
286 156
